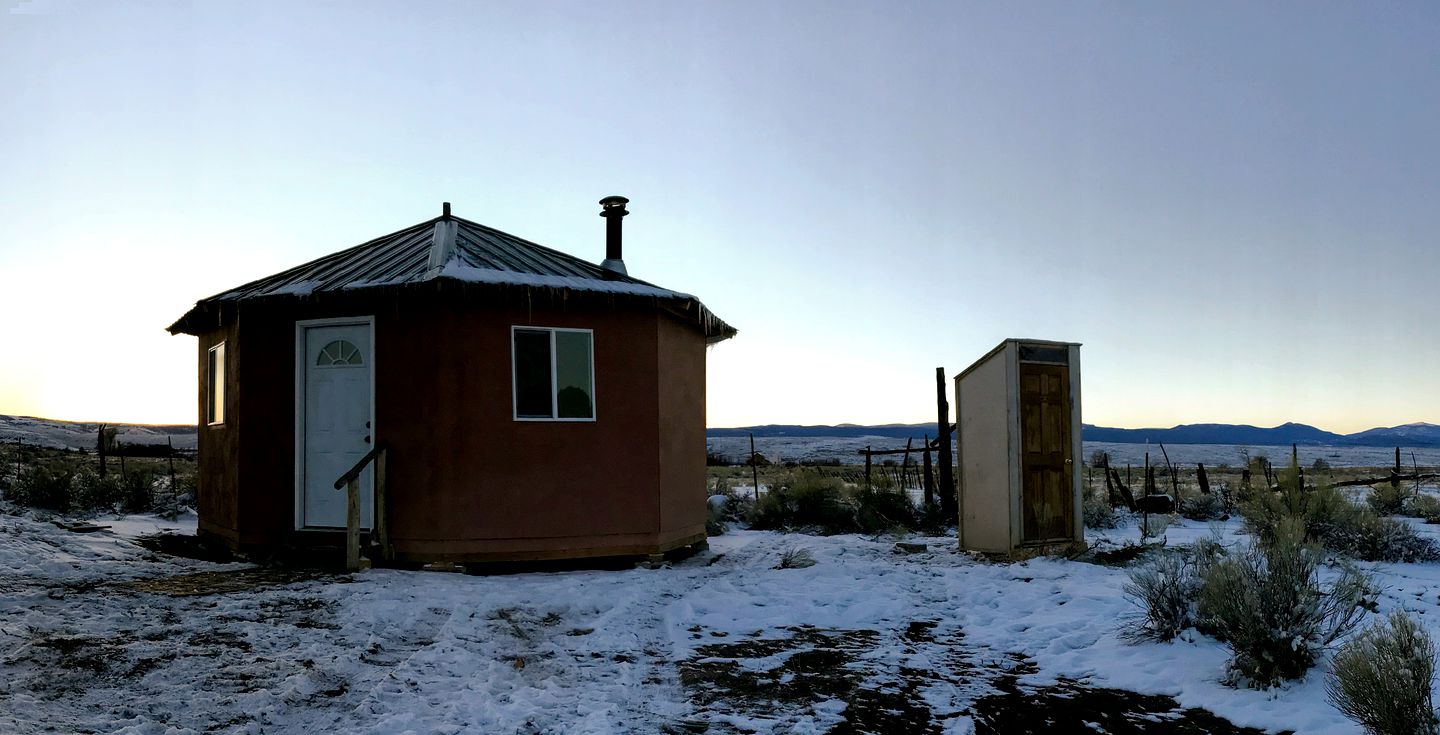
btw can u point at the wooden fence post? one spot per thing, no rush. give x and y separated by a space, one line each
1174 474
170 457
929 477
905 466
754 467
867 466
948 502
382 513
352 524
1396 483
1105 470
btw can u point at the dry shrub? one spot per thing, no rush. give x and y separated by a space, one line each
1387 499
1383 676
1372 538
796 558
1332 520
1426 507
878 511
1098 514
1203 507
42 486
933 519
1324 511
1167 590
804 500
1267 604
715 520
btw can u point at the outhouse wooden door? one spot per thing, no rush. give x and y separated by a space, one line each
1047 507
336 421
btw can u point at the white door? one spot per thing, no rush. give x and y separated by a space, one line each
337 431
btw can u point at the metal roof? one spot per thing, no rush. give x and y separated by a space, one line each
453 248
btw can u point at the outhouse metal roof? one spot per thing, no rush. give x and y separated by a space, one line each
457 249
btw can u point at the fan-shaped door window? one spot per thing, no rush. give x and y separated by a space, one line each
339 353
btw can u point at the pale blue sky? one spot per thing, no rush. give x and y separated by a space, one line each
1233 206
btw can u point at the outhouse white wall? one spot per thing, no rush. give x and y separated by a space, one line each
1002 444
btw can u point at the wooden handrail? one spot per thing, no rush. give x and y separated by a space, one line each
354 472
350 481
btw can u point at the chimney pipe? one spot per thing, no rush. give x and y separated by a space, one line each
612 208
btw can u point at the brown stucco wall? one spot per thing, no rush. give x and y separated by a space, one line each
680 361
218 446
466 481
267 455
466 478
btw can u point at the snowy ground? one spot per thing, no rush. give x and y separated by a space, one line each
846 450
722 639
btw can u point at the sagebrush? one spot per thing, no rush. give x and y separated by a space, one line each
1382 679
1098 514
1203 507
1332 520
1267 604
809 501
1167 590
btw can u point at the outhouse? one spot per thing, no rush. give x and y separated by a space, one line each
1017 415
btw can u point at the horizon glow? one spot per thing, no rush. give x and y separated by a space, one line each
1231 206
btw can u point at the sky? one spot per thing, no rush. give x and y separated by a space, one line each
1233 206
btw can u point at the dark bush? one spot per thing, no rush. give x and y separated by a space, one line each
90 491
805 501
1203 507
1372 538
933 519
878 511
715 522
1098 513
42 486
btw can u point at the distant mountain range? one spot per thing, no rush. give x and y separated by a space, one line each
1408 435
49 432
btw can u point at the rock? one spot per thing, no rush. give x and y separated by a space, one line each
911 548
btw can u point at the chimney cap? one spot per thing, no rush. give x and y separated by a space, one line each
613 204
445 209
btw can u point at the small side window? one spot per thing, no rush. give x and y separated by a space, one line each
554 372
215 385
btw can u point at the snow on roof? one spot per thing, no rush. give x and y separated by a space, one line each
470 274
457 249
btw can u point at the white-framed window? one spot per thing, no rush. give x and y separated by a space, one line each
553 373
215 385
